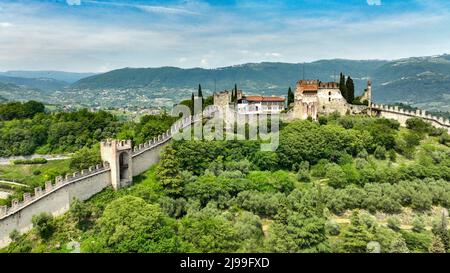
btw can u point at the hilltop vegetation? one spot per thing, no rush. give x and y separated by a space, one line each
25 128
332 186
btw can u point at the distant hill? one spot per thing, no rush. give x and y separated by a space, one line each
420 81
44 84
252 77
9 91
69 77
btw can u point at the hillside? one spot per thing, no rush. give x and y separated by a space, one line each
254 77
69 77
362 182
423 81
44 84
419 81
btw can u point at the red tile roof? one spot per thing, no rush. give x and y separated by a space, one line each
264 99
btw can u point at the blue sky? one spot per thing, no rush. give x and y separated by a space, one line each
101 35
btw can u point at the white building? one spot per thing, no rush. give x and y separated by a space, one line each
260 105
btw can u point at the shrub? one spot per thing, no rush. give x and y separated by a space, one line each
43 223
394 223
30 161
392 155
380 153
303 172
336 176
332 228
418 224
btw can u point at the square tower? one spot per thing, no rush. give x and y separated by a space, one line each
118 154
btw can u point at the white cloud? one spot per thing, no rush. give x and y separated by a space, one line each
146 8
273 54
215 39
374 2
5 24
73 2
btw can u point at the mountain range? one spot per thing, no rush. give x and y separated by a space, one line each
419 81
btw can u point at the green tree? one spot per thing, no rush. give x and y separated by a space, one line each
43 224
356 236
303 173
207 231
380 153
418 224
129 224
350 89
85 158
81 213
343 86
168 172
336 176
290 97
192 103
394 223
200 95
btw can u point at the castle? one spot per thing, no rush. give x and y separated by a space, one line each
314 98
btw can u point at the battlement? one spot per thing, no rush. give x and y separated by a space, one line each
60 182
328 85
118 144
419 113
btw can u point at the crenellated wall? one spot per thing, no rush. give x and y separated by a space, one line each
401 115
56 197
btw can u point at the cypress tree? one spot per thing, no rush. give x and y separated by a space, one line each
200 94
192 103
350 87
290 96
342 86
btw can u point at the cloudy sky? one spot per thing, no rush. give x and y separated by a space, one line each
101 35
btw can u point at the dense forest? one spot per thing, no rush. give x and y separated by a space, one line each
343 184
25 128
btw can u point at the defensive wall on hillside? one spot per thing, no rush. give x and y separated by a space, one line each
121 162
401 115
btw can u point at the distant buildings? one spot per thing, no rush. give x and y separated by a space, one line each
260 105
250 104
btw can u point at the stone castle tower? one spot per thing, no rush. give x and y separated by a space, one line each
118 154
314 98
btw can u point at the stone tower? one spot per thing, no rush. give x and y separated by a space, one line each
369 94
118 154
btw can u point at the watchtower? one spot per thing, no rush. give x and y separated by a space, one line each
118 154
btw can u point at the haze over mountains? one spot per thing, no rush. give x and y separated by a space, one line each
420 81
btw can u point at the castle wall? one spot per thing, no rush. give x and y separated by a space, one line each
222 99
401 115
54 199
330 101
144 160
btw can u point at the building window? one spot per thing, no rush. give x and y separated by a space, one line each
329 99
329 93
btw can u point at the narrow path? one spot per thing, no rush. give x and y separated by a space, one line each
13 183
8 160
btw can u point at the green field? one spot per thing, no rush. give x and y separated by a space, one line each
32 175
